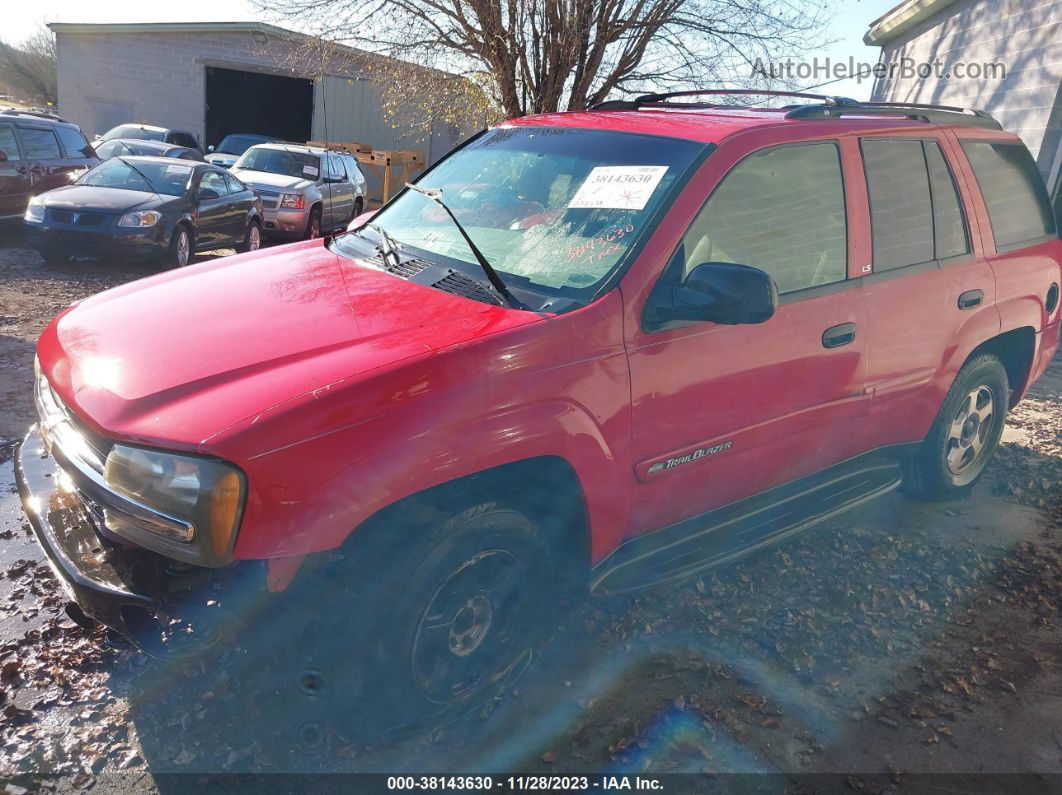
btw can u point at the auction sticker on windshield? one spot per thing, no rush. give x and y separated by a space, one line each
310 171
618 187
178 169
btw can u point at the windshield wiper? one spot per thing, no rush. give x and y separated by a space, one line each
435 194
141 173
387 247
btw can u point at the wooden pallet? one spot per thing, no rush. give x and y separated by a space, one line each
351 147
393 167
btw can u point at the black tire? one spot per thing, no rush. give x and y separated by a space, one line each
252 238
178 256
54 257
313 224
482 573
359 208
964 435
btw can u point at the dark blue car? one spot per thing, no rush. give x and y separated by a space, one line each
145 208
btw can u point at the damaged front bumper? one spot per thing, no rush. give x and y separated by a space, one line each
166 608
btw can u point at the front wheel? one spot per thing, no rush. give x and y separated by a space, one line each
252 239
313 225
964 435
179 252
444 618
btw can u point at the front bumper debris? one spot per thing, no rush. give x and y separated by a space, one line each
165 608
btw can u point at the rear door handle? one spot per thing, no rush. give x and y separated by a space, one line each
836 336
971 298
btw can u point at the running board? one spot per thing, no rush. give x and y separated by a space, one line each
728 533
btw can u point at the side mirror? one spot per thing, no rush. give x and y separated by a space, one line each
333 180
724 293
3 156
207 193
210 148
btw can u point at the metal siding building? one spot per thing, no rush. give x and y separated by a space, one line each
164 73
1023 35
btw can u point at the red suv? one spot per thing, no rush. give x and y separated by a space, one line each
594 350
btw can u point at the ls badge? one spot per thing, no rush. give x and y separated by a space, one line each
696 455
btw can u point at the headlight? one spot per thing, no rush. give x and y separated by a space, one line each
198 502
142 218
293 201
35 210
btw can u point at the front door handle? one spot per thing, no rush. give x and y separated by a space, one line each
836 336
971 298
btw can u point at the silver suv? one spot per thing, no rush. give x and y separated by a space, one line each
304 190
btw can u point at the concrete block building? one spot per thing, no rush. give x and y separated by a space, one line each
1003 56
216 78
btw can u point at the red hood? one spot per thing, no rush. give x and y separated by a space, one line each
176 358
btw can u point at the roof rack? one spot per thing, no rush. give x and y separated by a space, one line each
933 114
828 107
665 99
38 114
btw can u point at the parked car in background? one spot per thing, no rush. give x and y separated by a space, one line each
304 190
121 147
147 132
38 152
226 153
145 208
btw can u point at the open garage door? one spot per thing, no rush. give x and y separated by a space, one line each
253 102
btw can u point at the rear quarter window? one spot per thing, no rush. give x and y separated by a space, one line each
73 142
1018 206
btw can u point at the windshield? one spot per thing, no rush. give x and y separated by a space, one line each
135 131
280 161
238 144
165 178
550 207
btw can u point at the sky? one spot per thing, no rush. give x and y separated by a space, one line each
21 19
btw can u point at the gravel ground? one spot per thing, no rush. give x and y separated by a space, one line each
902 639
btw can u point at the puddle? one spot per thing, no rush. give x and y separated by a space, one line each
20 609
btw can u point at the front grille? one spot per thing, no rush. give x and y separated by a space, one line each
60 216
58 422
269 198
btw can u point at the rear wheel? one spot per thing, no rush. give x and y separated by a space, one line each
179 252
447 617
964 435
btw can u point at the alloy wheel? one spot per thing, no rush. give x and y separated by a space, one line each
970 430
254 238
183 248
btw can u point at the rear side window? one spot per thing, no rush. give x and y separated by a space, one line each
74 142
949 224
8 142
915 214
39 144
901 213
1017 201
781 210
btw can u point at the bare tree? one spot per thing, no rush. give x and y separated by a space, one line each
30 66
534 56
